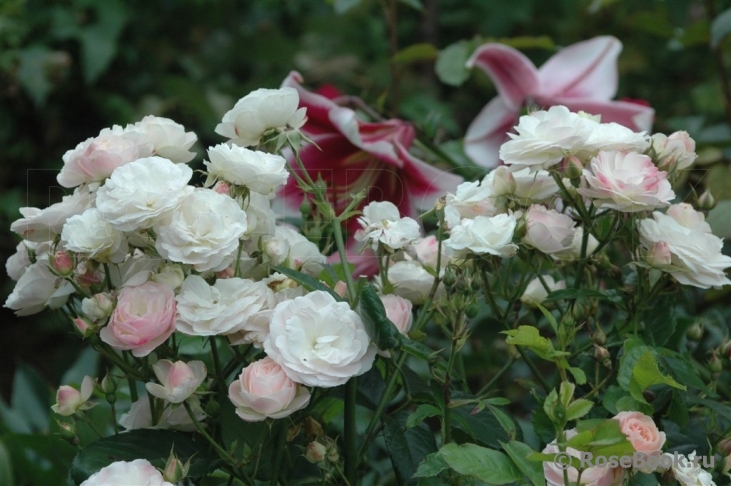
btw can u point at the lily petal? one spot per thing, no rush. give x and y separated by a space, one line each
488 132
318 106
586 69
514 75
632 115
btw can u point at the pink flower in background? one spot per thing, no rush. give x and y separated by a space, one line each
582 76
355 155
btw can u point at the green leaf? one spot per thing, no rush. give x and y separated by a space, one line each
151 444
720 27
39 459
99 40
6 467
484 426
407 447
382 331
678 410
529 337
423 411
519 453
629 404
487 465
647 373
451 65
578 374
634 348
416 52
578 409
31 397
32 72
507 422
431 466
718 219
549 317
660 322
306 281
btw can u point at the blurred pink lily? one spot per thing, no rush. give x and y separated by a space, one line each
582 76
352 155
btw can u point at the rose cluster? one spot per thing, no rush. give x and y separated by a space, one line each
137 254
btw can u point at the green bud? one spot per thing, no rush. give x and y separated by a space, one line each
472 310
695 332
175 470
305 208
715 364
706 201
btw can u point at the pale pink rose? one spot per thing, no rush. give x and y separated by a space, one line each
659 255
548 231
642 432
95 159
265 391
179 380
626 181
143 319
398 311
427 252
674 152
69 400
592 476
172 417
136 473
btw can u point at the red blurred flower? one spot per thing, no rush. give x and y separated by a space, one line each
582 76
352 155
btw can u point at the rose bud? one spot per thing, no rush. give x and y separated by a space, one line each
69 400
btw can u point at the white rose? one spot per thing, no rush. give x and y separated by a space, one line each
411 281
687 471
696 257
535 292
256 329
203 231
686 216
40 225
575 251
173 417
89 234
18 262
136 473
615 137
259 171
170 275
548 231
318 341
38 288
169 139
483 235
142 193
136 269
295 251
260 218
223 308
471 199
95 159
627 182
427 252
260 111
533 186
545 137
676 152
382 223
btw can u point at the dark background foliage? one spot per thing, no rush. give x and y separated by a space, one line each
69 68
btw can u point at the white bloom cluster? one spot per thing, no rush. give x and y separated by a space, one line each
145 255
